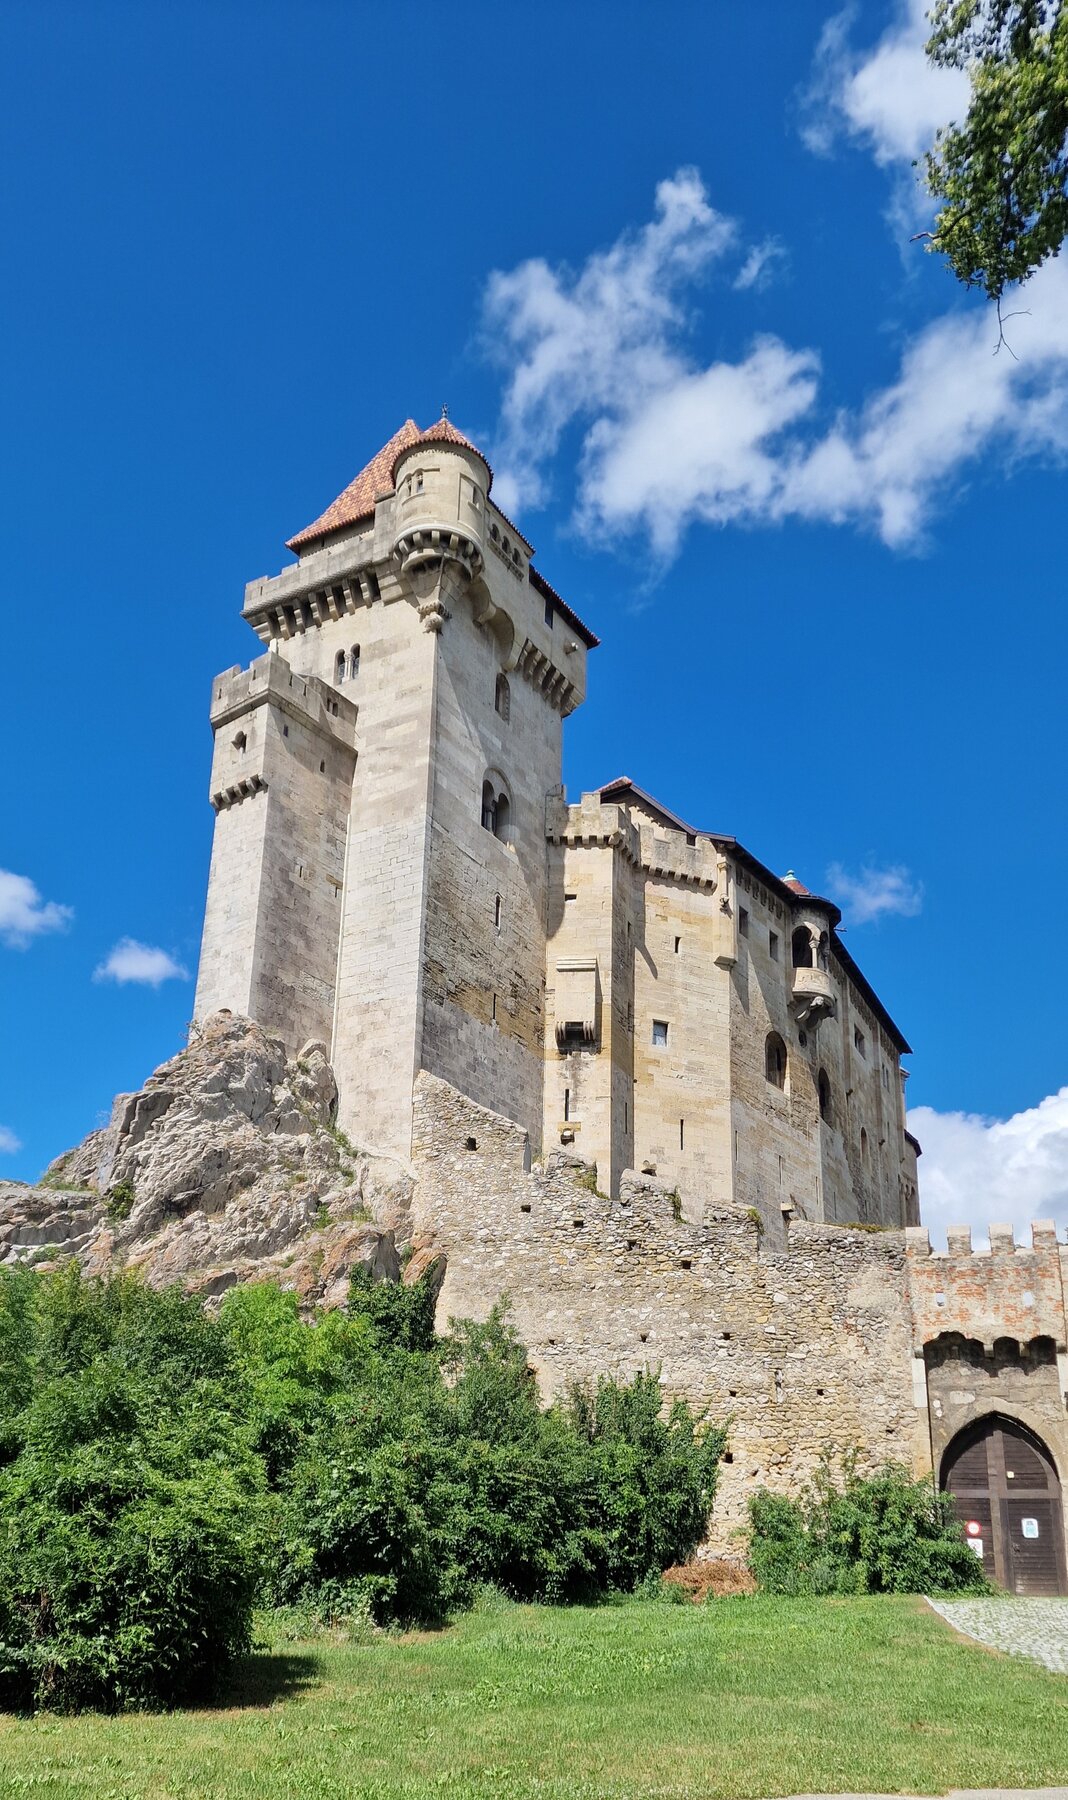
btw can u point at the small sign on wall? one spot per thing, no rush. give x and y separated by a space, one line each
1029 1527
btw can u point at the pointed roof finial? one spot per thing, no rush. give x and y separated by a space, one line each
444 410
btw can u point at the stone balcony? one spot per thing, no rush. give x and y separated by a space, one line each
812 996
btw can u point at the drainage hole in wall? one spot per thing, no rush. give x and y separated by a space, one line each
644 1335
725 1337
686 1263
472 1143
579 1224
727 1457
632 1243
820 1392
525 1206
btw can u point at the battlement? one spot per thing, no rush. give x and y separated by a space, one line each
662 853
271 680
1009 1291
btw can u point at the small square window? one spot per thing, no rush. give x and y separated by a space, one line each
773 945
660 1032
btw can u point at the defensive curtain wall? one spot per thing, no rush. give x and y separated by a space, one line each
846 1336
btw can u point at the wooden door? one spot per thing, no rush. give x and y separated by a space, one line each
1007 1497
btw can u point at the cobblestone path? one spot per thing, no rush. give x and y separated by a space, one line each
1034 1628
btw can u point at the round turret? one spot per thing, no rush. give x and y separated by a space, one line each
441 483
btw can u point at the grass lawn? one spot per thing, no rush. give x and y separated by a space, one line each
740 1697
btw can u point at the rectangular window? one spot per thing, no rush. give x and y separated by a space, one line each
493 1010
660 1032
773 945
497 913
568 898
549 614
678 941
743 923
859 1041
626 1116
567 1104
682 1134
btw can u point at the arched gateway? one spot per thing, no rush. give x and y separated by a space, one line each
1007 1497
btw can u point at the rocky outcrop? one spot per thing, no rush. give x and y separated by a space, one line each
226 1165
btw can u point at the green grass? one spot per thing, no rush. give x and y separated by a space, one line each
741 1697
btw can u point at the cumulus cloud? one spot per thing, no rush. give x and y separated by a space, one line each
874 893
978 1171
667 441
891 98
130 961
23 913
9 1143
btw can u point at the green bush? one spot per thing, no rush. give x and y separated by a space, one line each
161 1471
878 1534
131 1511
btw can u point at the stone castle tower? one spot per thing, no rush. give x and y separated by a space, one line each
397 873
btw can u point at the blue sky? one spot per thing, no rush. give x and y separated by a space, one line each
656 260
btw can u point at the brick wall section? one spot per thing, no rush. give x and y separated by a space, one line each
1007 1292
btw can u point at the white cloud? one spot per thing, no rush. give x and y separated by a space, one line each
892 99
144 963
757 269
874 893
977 1171
23 913
573 342
9 1143
668 442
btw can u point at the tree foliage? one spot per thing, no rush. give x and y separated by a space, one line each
1001 175
878 1534
161 1470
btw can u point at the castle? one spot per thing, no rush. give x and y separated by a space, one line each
643 1087
397 873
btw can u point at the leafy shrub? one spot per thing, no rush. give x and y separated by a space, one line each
131 1512
878 1534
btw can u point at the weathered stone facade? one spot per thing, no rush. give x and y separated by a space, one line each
634 1077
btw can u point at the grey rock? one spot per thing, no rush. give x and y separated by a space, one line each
224 1167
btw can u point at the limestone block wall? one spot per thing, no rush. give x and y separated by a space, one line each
482 1025
803 1349
281 780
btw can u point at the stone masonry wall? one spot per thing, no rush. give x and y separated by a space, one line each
801 1350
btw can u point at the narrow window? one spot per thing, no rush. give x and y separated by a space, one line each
775 1060
567 1104
504 810
354 662
285 730
497 913
682 1134
493 1010
859 1041
678 941
660 1032
802 947
489 808
322 768
339 666
626 1116
773 945
240 741
502 699
743 922
549 614
864 1147
821 953
823 1090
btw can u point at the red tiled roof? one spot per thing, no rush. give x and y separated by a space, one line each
795 886
358 500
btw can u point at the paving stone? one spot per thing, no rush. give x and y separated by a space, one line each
1035 1628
